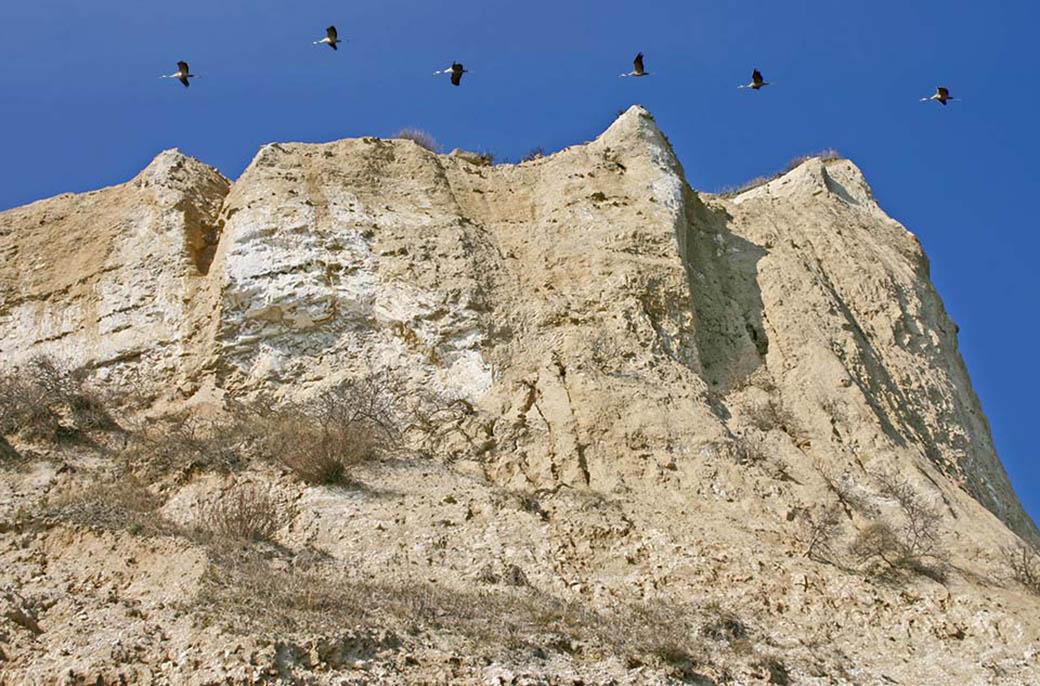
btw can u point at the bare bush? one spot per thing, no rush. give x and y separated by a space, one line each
247 512
819 527
849 496
185 443
763 415
45 400
326 455
1023 562
420 137
533 154
915 544
322 440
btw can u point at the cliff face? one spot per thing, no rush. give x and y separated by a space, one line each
671 380
609 319
110 278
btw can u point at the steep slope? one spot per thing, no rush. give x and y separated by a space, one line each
664 385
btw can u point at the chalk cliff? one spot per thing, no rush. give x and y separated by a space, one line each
707 366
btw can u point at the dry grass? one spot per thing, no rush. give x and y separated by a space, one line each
243 590
420 137
733 191
826 155
117 503
247 512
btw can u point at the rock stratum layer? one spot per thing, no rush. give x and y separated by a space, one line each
619 334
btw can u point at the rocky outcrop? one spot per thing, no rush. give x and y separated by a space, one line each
669 390
609 320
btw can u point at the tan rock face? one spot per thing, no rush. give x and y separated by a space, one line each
665 383
111 278
609 320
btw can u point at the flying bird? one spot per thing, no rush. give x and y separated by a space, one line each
182 74
941 94
456 70
331 38
756 81
638 69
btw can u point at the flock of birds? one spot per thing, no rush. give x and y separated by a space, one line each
456 70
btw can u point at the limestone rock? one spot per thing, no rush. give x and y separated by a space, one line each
665 386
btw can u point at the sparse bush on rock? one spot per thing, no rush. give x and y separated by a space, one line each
422 138
819 527
1023 562
44 400
323 439
912 544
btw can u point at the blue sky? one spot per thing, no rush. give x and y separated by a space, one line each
81 108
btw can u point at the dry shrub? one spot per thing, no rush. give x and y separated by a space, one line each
321 439
763 415
324 439
914 544
46 400
1023 562
326 455
184 443
533 154
420 137
819 527
247 512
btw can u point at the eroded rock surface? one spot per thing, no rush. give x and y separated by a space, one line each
678 375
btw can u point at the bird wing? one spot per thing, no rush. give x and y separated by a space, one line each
943 92
184 80
456 77
332 34
756 77
182 67
638 63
